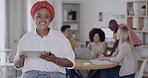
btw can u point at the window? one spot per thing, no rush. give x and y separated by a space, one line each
109 35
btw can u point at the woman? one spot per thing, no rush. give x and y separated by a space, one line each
98 47
124 55
44 38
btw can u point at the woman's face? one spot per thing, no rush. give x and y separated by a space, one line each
68 32
96 37
42 19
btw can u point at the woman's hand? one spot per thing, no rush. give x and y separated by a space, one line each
20 61
64 62
102 57
49 57
94 54
22 56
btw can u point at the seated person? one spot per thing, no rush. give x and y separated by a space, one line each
124 55
98 47
65 29
97 43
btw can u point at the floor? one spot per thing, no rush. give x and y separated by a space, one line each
9 72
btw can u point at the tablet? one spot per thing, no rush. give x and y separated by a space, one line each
34 54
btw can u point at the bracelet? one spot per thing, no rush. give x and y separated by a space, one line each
57 61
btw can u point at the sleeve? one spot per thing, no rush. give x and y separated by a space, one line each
89 45
20 46
123 50
69 53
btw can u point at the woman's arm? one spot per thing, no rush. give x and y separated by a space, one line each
89 45
64 62
19 62
114 47
104 49
124 49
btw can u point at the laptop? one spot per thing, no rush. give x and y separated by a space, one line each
83 53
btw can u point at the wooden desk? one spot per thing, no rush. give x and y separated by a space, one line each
79 64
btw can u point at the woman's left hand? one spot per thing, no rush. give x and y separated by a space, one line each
48 57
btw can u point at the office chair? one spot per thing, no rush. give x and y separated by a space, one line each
139 74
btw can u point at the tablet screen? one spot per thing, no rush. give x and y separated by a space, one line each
34 54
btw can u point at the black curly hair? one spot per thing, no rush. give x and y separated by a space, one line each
98 31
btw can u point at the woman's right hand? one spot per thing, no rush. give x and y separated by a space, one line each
94 54
20 61
22 56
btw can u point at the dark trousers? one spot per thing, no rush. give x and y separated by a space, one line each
72 73
129 76
113 73
110 73
93 74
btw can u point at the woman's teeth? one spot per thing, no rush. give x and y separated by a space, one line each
43 23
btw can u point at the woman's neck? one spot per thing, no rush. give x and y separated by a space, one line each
43 33
96 42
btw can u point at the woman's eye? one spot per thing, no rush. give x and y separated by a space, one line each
37 17
46 16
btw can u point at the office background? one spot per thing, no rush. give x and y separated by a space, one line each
16 20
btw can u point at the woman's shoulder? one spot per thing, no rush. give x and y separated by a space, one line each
56 33
103 43
27 34
126 45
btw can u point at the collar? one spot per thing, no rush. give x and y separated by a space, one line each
49 33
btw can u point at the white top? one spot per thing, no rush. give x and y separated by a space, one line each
96 48
125 56
55 42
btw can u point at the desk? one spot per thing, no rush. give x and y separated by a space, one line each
79 65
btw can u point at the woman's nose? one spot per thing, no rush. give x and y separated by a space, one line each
42 18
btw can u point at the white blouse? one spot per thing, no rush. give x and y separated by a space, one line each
55 42
125 57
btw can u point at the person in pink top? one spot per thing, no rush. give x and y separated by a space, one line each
113 25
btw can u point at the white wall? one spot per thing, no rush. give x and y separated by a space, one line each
93 7
2 31
16 23
90 10
3 23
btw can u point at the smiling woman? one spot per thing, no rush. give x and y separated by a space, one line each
43 38
31 24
